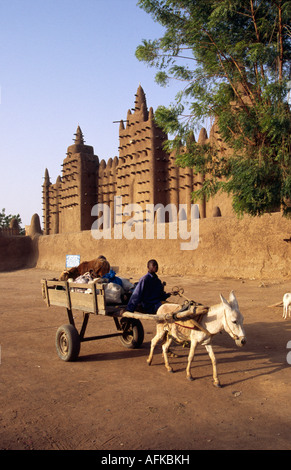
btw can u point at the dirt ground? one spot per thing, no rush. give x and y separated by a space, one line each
110 399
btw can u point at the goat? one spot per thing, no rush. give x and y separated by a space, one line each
225 315
286 305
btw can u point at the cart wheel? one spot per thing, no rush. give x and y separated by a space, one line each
68 343
133 333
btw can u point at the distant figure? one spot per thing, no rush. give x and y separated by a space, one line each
149 293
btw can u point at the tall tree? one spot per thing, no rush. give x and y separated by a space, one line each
233 60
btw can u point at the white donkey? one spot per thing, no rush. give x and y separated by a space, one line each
286 305
224 316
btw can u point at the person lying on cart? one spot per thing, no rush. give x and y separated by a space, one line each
149 293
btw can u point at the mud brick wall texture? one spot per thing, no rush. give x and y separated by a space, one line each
228 248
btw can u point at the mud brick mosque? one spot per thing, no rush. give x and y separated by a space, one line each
143 173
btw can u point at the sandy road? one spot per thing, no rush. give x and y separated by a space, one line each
111 400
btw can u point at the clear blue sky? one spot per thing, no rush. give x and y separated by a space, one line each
65 63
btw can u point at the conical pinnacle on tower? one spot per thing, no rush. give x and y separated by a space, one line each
140 96
202 136
46 177
140 102
79 139
190 140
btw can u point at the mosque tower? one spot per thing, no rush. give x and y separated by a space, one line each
79 179
67 204
142 160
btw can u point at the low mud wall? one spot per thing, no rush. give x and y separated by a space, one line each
228 247
18 252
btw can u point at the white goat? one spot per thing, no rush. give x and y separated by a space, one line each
224 316
286 305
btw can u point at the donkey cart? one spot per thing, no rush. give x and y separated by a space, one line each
90 299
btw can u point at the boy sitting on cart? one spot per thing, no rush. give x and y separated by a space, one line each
149 293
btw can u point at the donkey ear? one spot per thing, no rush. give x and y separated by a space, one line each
232 299
223 300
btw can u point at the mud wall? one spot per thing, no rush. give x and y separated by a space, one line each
18 252
228 247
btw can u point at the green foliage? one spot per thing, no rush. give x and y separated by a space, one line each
233 59
6 219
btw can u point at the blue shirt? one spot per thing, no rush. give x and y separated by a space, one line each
148 293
